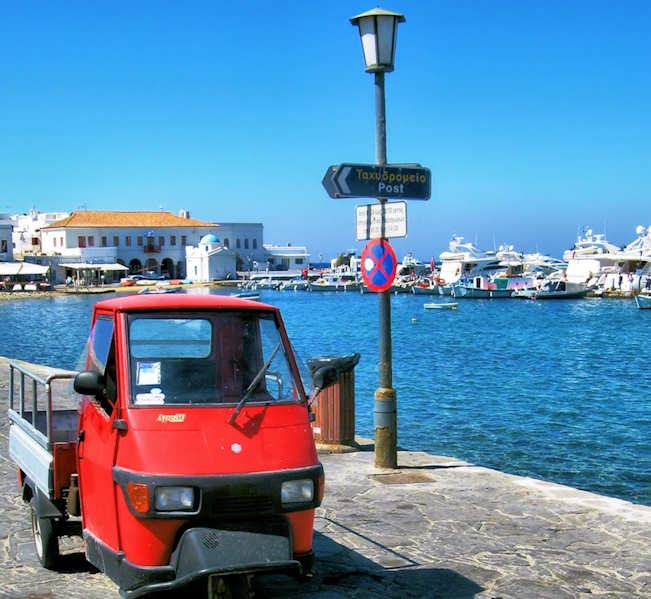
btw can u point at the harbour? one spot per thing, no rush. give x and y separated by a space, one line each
551 390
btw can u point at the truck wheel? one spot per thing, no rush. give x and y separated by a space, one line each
46 541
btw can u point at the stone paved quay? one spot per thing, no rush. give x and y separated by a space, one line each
434 528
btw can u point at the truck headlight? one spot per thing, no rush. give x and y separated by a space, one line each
297 491
174 499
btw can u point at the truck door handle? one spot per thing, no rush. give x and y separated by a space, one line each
82 435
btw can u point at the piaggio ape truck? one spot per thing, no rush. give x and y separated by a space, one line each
190 457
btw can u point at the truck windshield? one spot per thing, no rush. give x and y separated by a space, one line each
208 358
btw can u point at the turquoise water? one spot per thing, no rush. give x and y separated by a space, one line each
557 390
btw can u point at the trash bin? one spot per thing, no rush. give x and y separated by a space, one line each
334 407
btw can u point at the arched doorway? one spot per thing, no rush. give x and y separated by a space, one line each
167 268
135 267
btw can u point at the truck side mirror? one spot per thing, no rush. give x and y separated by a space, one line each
89 382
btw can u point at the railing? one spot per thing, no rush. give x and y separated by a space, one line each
19 411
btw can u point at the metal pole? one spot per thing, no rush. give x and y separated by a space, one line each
384 409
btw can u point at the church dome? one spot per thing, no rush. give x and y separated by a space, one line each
209 239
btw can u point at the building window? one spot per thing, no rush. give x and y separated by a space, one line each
35 241
184 240
116 240
172 239
161 241
139 240
227 243
298 261
3 246
127 240
55 241
238 243
246 244
91 241
61 244
255 244
104 241
81 241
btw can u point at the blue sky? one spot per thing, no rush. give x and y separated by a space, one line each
534 116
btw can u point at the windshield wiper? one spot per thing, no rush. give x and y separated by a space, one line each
254 383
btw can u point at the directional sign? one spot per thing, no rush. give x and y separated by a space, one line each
373 181
378 265
369 220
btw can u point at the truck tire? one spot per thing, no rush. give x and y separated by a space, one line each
46 541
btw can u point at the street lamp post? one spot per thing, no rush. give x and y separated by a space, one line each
378 31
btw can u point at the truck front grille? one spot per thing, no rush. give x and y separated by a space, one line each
236 506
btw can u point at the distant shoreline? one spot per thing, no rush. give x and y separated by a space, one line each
18 295
62 291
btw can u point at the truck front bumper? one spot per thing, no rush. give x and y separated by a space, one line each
200 552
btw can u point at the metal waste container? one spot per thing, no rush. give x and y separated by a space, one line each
334 407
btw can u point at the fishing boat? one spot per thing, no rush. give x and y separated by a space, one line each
425 286
554 289
494 287
643 301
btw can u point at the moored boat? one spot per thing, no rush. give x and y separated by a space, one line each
463 260
160 289
425 286
554 289
643 301
331 284
440 306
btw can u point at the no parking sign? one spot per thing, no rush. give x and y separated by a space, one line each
378 265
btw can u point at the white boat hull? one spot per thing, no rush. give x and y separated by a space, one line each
440 306
643 301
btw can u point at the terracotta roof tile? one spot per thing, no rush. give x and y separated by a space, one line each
107 218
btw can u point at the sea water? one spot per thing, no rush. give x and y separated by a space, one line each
556 390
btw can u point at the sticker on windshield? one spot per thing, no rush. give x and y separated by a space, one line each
148 373
154 398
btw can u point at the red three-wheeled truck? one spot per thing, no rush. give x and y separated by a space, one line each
190 458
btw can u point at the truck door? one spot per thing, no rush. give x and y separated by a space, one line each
98 440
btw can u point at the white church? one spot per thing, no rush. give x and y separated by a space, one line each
210 260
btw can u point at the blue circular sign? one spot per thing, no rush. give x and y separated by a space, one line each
378 265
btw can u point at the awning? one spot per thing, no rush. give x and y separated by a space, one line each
90 266
11 269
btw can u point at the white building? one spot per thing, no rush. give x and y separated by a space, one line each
210 260
27 231
286 257
6 247
160 242
141 241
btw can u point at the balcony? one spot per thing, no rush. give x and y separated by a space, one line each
151 248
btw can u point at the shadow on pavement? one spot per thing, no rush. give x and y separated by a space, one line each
343 572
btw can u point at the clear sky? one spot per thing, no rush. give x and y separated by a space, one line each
534 116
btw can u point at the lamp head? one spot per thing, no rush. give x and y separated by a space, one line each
378 31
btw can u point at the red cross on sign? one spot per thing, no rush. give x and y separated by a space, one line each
378 265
